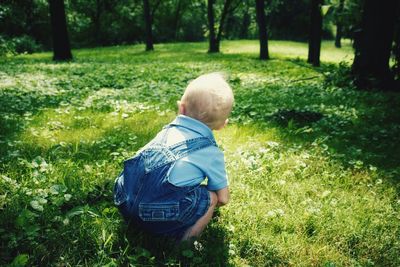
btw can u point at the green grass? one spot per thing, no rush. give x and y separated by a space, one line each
305 191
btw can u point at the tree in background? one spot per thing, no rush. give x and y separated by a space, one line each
26 24
314 39
148 25
61 46
288 19
262 28
215 38
339 24
211 27
246 21
178 13
349 17
98 10
179 20
241 23
112 22
373 44
96 19
396 48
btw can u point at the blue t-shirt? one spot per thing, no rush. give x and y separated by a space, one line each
207 162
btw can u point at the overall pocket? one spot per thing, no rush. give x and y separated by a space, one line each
158 212
187 207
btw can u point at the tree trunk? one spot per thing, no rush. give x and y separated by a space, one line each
246 21
396 49
61 46
96 22
29 8
373 45
222 19
148 25
230 23
177 18
214 41
339 26
262 29
314 42
338 37
213 44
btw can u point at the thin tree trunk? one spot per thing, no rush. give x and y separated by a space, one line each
338 37
373 45
229 24
148 25
262 29
246 21
396 49
213 46
339 26
177 18
314 42
214 41
29 7
96 22
61 45
222 20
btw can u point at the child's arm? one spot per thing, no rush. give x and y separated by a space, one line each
223 196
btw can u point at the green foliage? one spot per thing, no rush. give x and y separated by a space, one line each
111 22
180 20
340 77
108 22
26 21
288 20
18 45
6 47
349 17
25 44
20 260
396 52
312 163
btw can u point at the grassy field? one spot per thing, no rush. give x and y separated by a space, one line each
313 166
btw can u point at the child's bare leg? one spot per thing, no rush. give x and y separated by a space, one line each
199 226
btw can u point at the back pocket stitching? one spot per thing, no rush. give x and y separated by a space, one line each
155 212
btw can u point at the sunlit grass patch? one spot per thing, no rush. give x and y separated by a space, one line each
81 129
299 200
288 49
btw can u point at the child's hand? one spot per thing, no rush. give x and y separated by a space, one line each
223 196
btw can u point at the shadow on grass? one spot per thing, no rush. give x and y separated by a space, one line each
357 126
368 141
147 249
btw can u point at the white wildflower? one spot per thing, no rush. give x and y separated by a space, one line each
67 197
198 246
325 193
271 213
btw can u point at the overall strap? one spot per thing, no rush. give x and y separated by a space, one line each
185 147
174 124
165 133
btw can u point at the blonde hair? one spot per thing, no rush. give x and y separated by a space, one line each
209 99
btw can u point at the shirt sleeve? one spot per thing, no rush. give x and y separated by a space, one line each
212 163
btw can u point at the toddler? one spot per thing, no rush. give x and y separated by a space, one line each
160 188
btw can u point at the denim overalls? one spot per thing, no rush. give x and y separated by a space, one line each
144 195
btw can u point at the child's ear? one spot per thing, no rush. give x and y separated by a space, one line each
226 122
222 126
181 107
